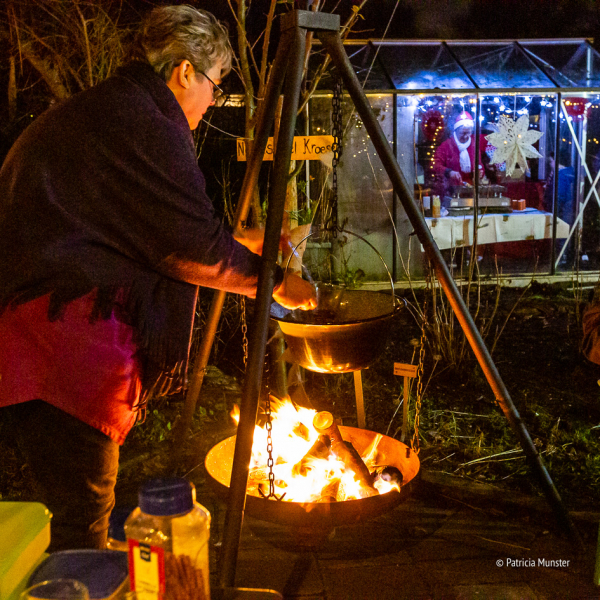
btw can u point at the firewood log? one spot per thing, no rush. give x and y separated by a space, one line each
301 430
330 491
344 451
320 449
324 423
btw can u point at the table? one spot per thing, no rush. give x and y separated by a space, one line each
529 224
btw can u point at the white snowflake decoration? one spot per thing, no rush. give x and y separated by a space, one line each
513 143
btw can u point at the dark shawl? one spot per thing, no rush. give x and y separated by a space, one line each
104 192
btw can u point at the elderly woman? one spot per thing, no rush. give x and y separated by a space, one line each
106 234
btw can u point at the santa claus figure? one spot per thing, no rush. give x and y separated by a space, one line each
454 159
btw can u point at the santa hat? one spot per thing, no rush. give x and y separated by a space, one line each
465 119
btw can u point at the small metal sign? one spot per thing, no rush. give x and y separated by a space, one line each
306 147
405 370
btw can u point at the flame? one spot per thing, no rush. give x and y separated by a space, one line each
235 414
321 479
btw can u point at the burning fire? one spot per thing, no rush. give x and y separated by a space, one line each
306 470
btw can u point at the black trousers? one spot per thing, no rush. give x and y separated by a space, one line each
75 469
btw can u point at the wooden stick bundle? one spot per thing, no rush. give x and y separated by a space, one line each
182 580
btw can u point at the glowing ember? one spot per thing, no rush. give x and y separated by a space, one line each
316 476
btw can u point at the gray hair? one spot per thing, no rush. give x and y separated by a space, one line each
172 34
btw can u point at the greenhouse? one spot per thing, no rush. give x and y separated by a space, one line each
534 194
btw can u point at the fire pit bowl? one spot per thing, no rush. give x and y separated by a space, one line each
219 461
346 332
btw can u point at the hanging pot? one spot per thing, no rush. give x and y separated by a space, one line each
347 330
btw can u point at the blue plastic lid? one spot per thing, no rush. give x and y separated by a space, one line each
101 571
167 496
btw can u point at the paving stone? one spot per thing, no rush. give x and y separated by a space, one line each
381 582
428 547
466 572
572 582
495 592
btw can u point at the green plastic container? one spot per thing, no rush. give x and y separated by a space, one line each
25 535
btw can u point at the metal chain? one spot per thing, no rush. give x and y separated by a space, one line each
244 330
269 424
337 126
415 444
269 428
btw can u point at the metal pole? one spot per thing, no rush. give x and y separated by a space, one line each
555 186
333 44
254 161
405 400
258 339
361 418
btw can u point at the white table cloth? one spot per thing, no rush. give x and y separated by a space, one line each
530 224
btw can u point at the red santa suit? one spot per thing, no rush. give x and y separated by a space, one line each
448 158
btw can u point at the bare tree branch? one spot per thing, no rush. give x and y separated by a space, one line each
47 71
12 91
265 49
86 39
345 31
244 63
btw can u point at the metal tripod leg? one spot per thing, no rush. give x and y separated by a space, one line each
333 45
258 338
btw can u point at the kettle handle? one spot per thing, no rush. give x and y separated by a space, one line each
322 229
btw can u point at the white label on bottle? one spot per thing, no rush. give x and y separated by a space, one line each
146 570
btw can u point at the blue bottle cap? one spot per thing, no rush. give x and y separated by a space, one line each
167 496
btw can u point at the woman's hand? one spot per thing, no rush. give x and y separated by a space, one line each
295 292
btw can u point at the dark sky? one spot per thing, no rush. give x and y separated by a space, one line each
452 19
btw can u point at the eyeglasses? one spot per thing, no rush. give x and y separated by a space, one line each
216 91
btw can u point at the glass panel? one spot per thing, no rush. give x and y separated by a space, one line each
514 221
571 65
365 197
368 70
499 66
578 196
443 174
422 67
515 198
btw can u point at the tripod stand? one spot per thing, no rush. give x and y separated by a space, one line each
286 77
